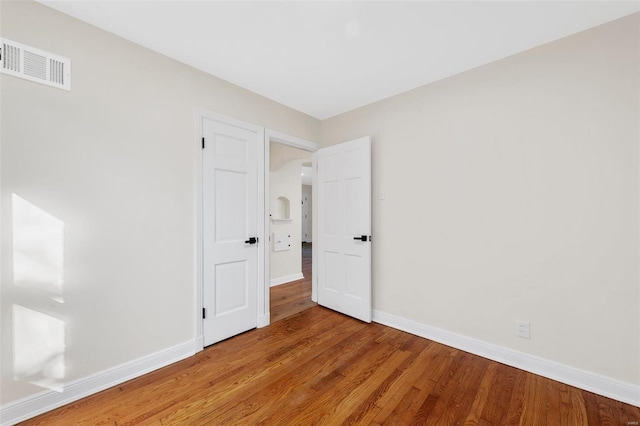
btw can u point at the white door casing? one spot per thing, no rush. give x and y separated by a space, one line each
231 215
344 214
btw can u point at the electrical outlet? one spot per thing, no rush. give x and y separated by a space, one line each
523 329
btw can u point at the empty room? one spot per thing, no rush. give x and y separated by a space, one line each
309 212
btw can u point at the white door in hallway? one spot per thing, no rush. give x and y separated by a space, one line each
230 208
344 228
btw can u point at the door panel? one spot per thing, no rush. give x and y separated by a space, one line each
344 200
230 198
229 296
230 218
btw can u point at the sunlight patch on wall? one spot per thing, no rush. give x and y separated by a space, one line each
38 348
38 265
38 247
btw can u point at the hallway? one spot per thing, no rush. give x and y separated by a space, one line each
291 298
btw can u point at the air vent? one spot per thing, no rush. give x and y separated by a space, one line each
34 64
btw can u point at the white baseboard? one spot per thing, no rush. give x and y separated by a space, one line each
44 401
286 279
199 341
602 385
264 320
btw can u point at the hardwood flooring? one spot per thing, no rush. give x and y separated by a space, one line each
320 367
291 298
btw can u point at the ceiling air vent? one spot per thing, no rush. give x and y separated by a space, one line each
34 64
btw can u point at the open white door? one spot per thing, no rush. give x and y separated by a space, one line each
230 209
344 228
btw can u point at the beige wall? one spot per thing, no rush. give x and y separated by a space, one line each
108 170
511 193
286 182
280 154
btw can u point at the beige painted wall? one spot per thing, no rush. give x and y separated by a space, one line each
511 192
108 169
280 154
286 182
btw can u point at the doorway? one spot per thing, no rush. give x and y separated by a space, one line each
338 168
290 230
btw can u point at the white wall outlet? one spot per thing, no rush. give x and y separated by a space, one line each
523 329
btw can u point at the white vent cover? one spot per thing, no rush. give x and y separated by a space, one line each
33 64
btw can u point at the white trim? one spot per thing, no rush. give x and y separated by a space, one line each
266 301
286 279
228 120
274 220
592 382
295 142
198 229
263 232
264 320
44 401
314 225
292 141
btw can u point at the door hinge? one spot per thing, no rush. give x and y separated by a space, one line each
202 143
204 313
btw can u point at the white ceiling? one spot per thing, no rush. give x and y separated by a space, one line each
325 58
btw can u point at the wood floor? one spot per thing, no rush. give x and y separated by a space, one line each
291 298
320 367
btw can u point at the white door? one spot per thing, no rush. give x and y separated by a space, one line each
231 158
344 228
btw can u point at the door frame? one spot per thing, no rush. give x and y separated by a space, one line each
263 299
200 114
294 142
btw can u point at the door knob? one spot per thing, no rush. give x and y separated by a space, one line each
361 238
251 240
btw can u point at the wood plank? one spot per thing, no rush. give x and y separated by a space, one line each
577 410
513 414
533 409
403 384
290 298
482 396
456 399
499 396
